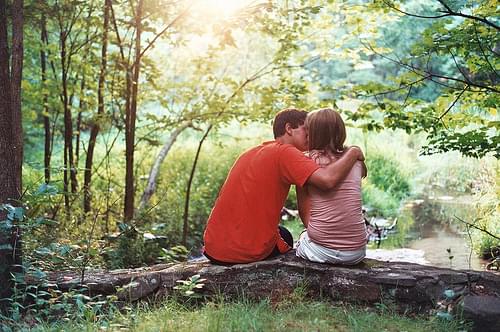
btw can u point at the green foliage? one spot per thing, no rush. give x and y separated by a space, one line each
455 57
39 302
174 254
168 205
382 203
455 175
36 305
486 201
134 248
387 174
188 288
386 185
129 251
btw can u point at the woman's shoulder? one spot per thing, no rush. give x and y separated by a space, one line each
321 157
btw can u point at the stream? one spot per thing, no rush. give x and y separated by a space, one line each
434 238
436 243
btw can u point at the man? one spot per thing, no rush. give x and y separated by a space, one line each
243 225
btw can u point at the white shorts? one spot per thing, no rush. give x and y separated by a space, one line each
317 253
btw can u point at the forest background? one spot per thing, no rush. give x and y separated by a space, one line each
128 115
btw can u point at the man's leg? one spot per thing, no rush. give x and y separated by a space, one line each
215 261
286 236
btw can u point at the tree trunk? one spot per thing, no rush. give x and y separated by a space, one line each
16 76
410 287
94 131
45 101
130 119
155 169
81 109
69 163
11 149
185 216
68 127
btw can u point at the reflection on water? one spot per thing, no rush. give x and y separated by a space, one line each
435 244
437 233
430 234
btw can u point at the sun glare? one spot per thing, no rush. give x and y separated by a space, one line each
223 8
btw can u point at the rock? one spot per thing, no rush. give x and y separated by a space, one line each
483 311
398 255
411 287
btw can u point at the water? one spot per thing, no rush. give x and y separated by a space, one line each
445 248
437 233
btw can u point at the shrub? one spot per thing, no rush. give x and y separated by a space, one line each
486 201
166 216
382 202
385 174
386 185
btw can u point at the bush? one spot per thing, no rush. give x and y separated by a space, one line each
448 173
486 201
385 174
386 185
166 216
382 202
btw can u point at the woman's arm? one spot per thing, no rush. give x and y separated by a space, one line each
304 204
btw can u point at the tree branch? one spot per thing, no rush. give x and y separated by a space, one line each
482 51
181 15
388 4
475 18
446 13
454 102
478 228
426 72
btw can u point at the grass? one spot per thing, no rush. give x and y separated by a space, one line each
245 315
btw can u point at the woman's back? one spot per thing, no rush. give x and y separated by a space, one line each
336 219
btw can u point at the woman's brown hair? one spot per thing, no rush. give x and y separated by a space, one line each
326 130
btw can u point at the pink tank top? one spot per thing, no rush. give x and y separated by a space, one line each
336 219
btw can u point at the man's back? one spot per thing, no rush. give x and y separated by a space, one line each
243 224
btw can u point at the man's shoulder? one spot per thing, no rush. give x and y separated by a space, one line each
273 149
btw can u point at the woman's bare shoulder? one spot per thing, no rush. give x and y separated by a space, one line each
321 157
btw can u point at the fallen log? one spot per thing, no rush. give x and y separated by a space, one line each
412 287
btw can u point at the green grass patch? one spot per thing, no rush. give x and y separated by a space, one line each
245 315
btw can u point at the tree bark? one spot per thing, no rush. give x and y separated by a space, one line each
78 129
155 169
11 150
45 100
412 287
68 126
130 119
16 76
94 131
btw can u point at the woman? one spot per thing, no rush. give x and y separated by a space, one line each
336 232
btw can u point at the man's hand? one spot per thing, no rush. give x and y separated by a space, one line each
361 156
365 170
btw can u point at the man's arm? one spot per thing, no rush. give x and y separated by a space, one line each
304 204
328 177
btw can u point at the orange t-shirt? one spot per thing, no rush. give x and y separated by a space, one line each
243 224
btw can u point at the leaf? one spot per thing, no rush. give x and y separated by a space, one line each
6 246
47 189
16 213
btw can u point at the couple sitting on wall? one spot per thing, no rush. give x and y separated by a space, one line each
244 226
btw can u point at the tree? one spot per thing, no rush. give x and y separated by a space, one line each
131 92
457 55
11 149
94 131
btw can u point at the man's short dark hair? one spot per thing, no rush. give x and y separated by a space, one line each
293 116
